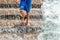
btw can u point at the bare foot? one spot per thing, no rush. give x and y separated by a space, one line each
22 24
28 24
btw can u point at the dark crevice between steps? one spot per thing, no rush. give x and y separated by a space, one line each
21 29
13 17
17 6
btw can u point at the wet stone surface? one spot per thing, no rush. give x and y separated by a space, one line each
21 29
51 14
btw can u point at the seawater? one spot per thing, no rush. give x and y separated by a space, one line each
51 17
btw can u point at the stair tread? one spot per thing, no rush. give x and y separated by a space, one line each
15 11
35 23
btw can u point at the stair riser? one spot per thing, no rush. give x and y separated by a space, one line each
13 17
17 6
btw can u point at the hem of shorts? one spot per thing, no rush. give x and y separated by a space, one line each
24 10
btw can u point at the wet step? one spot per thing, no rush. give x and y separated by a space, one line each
21 29
20 33
13 23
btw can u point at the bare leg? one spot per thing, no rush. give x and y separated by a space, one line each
27 19
22 14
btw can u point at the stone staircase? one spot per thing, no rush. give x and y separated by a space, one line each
11 17
14 1
10 24
10 20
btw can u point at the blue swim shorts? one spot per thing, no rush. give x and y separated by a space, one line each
25 5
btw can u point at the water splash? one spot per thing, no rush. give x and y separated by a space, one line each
51 17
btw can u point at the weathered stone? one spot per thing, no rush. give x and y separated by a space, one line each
14 36
14 1
17 6
22 29
15 11
10 28
21 32
12 23
13 17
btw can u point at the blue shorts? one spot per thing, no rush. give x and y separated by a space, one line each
25 5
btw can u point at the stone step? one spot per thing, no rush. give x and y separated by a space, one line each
12 13
18 36
17 6
14 1
13 23
20 33
15 11
13 17
21 29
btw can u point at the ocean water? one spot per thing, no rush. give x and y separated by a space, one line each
51 17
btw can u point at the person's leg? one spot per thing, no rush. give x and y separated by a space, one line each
27 19
22 15
22 12
27 9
